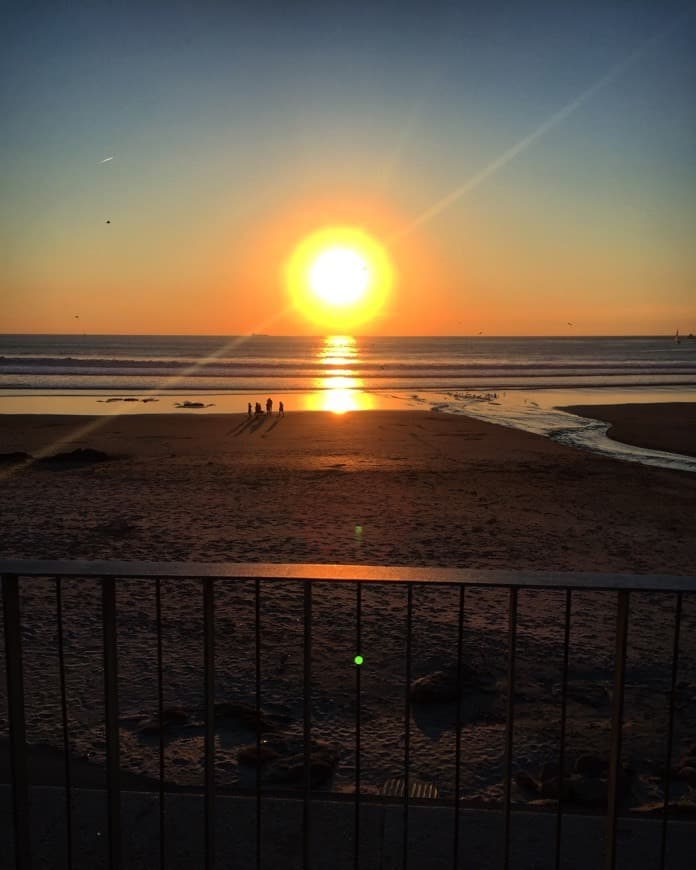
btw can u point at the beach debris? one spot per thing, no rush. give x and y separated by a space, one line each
685 770
188 404
243 713
77 458
587 785
170 716
323 759
591 765
679 809
127 399
441 687
121 527
268 750
475 397
588 693
17 457
687 773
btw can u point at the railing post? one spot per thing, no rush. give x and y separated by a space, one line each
509 723
622 610
670 729
209 666
113 792
458 727
64 717
407 723
562 735
257 681
358 651
307 703
160 719
15 700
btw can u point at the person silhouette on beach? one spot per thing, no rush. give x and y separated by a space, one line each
257 409
249 409
281 409
269 405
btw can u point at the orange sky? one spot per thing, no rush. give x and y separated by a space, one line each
525 168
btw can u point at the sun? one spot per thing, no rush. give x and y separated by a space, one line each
339 277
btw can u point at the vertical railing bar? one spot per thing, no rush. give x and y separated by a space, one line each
358 651
113 790
160 716
622 610
510 721
257 657
670 729
209 667
562 735
458 739
15 705
64 717
306 815
407 723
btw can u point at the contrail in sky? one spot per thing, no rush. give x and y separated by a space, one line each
551 122
106 159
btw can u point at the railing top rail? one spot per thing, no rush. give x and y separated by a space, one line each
350 573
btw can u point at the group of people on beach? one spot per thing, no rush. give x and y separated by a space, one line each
258 409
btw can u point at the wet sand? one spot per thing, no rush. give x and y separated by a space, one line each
668 426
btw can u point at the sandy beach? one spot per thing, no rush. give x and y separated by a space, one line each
382 487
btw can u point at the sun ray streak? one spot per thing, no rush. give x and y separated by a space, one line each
552 121
94 425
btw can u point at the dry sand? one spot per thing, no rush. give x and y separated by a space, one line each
381 487
402 488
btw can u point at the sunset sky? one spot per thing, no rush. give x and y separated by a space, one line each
522 165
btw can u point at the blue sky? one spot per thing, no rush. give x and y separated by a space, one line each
226 119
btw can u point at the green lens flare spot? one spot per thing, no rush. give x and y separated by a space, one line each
358 660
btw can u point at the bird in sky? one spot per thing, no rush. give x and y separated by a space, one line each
106 159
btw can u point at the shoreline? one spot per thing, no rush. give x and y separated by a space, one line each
667 426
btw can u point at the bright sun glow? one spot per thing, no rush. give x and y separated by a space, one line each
339 277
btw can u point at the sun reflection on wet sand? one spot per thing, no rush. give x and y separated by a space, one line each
339 390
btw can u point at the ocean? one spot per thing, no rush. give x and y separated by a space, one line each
247 364
519 382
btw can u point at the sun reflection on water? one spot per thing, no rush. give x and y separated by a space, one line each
339 390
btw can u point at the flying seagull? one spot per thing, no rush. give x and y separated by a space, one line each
106 159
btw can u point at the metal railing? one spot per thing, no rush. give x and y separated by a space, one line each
256 578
